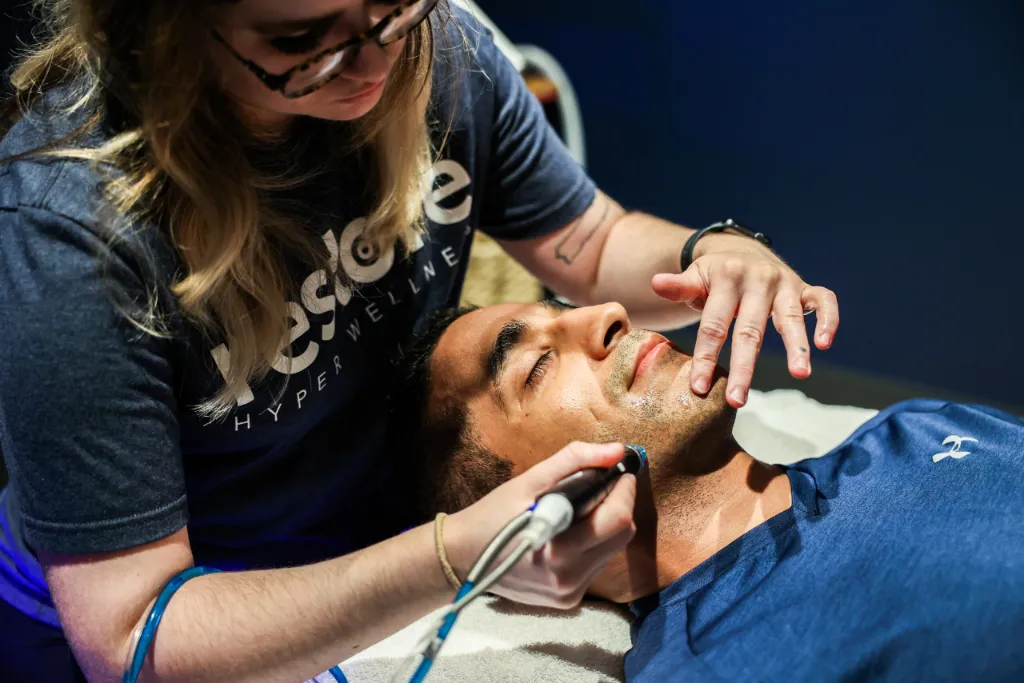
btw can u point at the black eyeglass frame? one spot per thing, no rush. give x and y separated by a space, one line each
278 82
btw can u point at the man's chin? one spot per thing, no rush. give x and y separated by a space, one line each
719 380
690 428
681 388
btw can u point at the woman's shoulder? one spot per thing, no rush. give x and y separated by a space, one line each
48 199
32 178
66 186
63 117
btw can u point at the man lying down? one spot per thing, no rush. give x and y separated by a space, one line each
898 556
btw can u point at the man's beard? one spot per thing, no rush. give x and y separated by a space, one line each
681 433
687 437
686 443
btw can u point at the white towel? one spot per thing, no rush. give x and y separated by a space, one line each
496 640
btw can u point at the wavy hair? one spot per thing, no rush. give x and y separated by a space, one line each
184 161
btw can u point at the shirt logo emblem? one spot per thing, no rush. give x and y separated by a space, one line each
954 452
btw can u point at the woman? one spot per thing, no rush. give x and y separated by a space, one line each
220 222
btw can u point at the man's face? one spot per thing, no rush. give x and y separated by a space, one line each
535 377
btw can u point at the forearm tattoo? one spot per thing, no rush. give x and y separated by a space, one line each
569 247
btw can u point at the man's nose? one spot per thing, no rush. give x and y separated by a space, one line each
597 328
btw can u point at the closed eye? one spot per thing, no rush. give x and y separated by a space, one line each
537 373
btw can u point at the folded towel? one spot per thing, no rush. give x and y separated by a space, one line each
496 640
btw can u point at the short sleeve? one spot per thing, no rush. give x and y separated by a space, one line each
534 185
88 418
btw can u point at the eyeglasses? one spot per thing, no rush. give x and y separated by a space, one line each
326 65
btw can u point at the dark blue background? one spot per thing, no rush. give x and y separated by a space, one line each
879 142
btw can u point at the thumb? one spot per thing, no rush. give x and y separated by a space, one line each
688 287
574 457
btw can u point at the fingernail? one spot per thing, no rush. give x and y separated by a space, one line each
822 338
738 395
800 363
701 385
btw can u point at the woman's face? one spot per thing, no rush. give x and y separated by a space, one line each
279 35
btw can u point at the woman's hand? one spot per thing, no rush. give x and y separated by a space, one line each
557 575
736 277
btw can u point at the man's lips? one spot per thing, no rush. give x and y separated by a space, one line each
647 355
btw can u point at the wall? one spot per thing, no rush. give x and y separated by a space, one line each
880 143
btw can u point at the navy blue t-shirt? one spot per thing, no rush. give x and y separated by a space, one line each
97 420
902 559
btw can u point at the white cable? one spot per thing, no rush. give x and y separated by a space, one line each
493 577
551 516
430 644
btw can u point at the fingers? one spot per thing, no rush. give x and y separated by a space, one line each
558 574
788 316
760 288
714 328
747 337
573 571
688 288
574 457
614 514
825 303
578 555
591 564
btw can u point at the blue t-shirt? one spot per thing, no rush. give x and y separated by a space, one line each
97 425
902 559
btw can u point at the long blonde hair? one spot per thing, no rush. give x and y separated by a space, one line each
184 164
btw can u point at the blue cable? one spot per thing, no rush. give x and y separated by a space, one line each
131 675
338 675
449 621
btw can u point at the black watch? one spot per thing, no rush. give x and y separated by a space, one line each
686 258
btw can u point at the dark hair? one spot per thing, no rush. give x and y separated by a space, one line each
449 468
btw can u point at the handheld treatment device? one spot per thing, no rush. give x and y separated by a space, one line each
579 494
554 511
585 489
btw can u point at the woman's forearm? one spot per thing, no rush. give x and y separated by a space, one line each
637 248
291 624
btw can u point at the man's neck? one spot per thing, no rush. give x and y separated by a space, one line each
683 519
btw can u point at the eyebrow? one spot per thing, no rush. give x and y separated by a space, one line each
509 337
296 25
